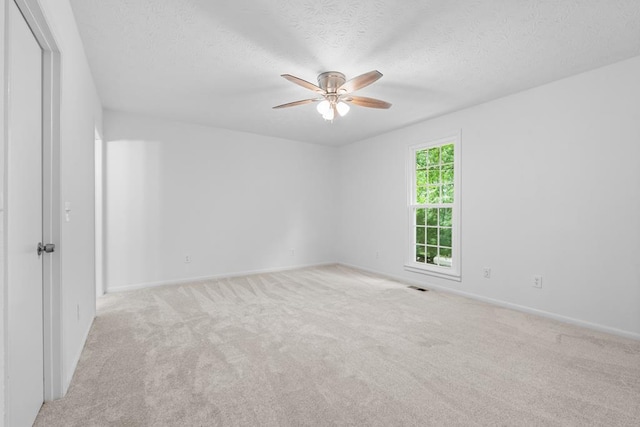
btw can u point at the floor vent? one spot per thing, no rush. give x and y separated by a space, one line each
418 289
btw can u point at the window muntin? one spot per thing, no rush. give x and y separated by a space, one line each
433 207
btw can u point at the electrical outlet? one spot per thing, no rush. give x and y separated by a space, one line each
187 259
536 281
292 252
377 255
486 273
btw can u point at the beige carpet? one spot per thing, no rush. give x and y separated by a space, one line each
334 346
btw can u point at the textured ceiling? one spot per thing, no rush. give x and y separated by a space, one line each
219 62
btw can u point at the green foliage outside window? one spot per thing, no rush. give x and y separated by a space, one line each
434 172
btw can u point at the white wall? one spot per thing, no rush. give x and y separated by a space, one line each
80 112
551 186
235 202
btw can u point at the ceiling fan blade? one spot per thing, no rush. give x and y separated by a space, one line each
363 101
295 103
305 84
359 82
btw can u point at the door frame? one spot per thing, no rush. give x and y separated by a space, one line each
99 211
35 16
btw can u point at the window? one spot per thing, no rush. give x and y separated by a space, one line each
434 198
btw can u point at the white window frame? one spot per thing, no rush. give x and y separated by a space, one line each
454 272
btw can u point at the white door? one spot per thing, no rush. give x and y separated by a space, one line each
24 218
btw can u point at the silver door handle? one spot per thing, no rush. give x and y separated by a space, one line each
48 248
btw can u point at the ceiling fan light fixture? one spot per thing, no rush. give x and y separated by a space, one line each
323 107
329 115
343 108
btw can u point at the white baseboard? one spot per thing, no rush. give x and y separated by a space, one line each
505 304
135 286
68 376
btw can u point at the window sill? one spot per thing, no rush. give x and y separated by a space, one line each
417 268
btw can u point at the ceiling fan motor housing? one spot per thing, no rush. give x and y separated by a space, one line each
331 81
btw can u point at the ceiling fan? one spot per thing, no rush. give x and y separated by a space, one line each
334 93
